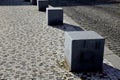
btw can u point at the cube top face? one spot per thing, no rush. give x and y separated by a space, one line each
55 8
83 35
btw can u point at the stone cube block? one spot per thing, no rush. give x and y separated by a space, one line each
54 16
42 4
33 2
84 51
27 0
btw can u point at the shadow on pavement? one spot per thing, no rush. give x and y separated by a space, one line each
109 73
65 3
68 27
13 3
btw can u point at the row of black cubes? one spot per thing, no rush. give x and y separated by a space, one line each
84 50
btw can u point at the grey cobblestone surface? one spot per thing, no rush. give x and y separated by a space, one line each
32 50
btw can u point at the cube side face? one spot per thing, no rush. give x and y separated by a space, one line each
55 17
27 0
42 5
87 55
46 15
68 49
34 2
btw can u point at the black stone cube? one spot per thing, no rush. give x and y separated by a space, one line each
84 51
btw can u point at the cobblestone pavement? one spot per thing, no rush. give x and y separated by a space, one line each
32 50
101 16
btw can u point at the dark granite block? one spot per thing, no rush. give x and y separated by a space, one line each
42 5
33 2
54 16
84 51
